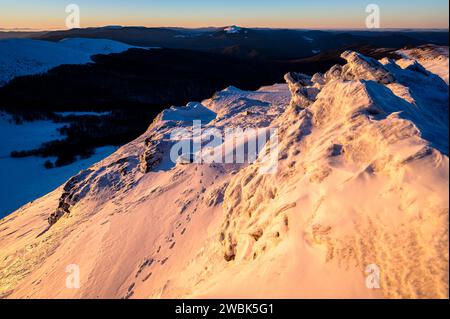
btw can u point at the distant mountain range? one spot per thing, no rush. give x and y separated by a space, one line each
251 42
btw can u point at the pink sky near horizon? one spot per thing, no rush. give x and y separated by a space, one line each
345 14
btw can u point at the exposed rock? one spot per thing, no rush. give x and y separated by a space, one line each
68 198
113 176
152 155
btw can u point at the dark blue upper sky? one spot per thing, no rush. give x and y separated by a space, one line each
50 14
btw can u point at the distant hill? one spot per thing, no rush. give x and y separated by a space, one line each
275 44
28 56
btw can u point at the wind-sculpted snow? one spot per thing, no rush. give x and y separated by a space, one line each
189 113
433 58
359 194
301 86
350 180
359 67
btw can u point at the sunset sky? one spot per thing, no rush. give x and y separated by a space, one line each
324 14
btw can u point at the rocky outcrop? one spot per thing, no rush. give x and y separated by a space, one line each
319 80
302 90
360 67
333 73
152 155
112 177
69 197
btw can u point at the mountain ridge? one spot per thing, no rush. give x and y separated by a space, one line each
360 182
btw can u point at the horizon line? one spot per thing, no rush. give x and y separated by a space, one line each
25 29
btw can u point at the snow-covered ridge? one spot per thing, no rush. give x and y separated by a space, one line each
27 56
431 57
189 113
362 183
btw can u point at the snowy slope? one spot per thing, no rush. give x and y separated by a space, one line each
362 180
25 179
26 56
433 58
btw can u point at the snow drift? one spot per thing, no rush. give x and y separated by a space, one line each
362 183
431 57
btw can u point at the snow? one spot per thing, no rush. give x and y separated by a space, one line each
25 136
25 179
433 58
189 113
362 183
27 56
232 29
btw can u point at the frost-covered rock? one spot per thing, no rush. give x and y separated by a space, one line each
319 80
364 68
302 90
333 73
151 156
73 191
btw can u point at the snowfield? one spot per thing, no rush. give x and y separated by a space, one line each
361 190
25 179
20 57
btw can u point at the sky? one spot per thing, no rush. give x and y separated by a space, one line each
315 14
